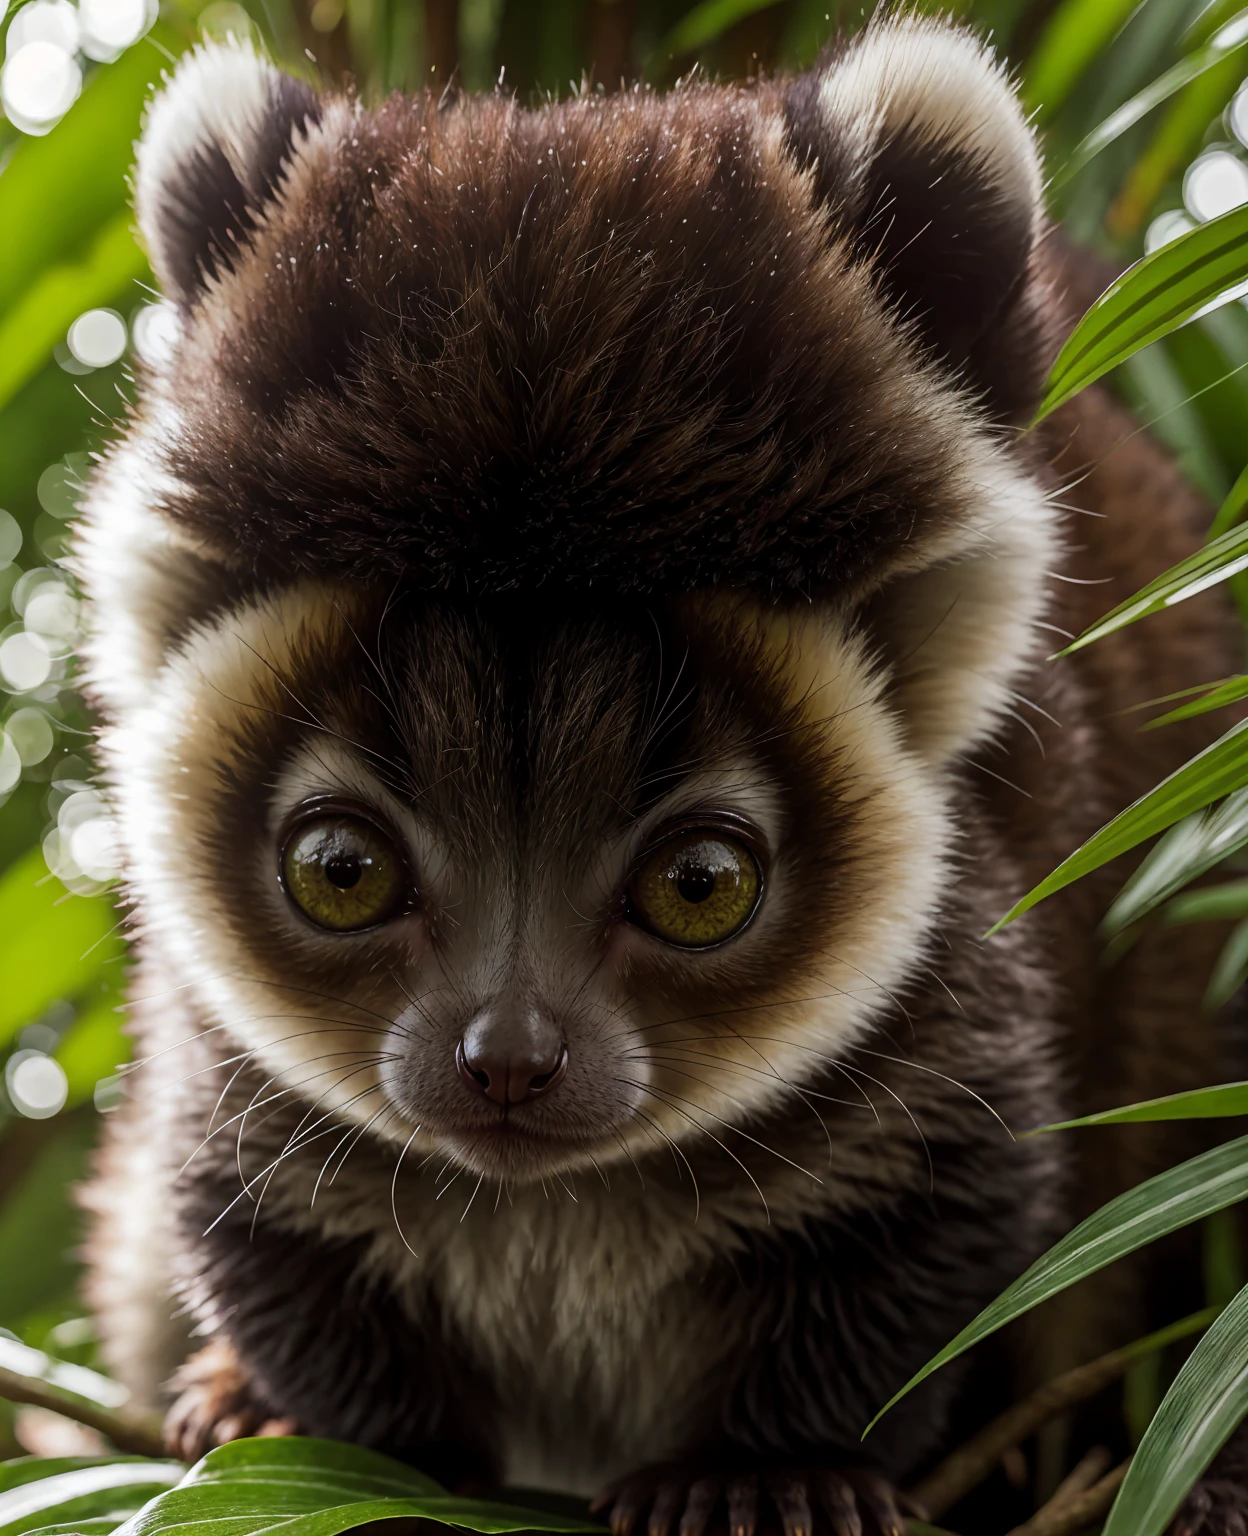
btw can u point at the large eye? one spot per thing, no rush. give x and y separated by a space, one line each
343 873
696 889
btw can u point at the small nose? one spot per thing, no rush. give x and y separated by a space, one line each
511 1058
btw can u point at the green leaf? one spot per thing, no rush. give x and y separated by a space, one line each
708 21
1229 691
1151 299
86 1491
1221 1102
307 1487
31 1469
1186 851
52 945
1214 904
1160 1205
44 313
1208 1399
1211 563
57 191
1230 971
1219 770
1078 31
1232 509
1226 41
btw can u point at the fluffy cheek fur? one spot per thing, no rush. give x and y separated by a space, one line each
174 766
316 1011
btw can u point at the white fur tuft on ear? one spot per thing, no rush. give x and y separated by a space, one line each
919 77
213 145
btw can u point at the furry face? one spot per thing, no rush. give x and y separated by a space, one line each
444 835
521 781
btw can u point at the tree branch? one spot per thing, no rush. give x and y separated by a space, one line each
967 1467
136 1434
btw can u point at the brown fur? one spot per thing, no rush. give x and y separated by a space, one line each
531 465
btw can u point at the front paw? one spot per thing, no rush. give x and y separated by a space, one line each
852 1501
1217 1506
215 1404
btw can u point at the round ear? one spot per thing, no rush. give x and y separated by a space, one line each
211 155
918 146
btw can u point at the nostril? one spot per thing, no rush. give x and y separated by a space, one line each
478 1076
543 1082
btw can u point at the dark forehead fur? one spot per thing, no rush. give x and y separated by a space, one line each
617 344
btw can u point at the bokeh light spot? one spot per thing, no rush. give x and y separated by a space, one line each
25 662
156 330
44 21
1166 227
37 1085
97 338
1216 182
10 538
32 735
108 27
38 85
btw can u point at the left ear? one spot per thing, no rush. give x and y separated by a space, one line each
918 147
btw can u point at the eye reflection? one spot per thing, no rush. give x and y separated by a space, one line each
696 889
343 872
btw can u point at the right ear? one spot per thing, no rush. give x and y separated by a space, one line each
214 144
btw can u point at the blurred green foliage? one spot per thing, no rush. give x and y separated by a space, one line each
1128 94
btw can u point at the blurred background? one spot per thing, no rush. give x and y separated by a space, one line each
1144 110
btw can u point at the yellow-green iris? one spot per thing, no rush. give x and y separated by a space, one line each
696 889
343 873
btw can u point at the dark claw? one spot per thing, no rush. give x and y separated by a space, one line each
743 1506
625 1510
666 1502
788 1494
699 1506
839 1504
877 1494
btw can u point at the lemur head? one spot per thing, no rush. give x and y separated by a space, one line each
540 603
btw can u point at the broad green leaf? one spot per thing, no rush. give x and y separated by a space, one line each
1077 32
1187 850
52 945
1208 1399
1219 770
32 1469
41 317
1214 904
1211 563
1229 691
306 1487
96 1525
1230 971
83 1493
708 21
1160 1205
1151 299
1233 508
1221 1102
57 191
1228 40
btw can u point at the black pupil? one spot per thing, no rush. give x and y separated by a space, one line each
695 882
344 870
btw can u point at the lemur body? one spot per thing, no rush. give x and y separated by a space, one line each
570 623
